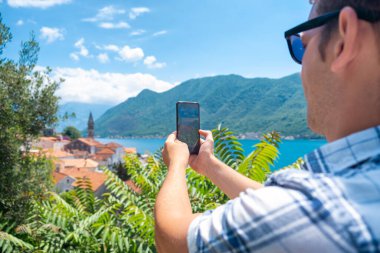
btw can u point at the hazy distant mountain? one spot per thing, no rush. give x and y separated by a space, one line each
242 104
82 112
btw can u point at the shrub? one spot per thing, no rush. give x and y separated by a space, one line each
122 221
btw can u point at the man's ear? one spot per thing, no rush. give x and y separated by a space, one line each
347 45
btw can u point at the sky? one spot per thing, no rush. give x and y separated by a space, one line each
110 50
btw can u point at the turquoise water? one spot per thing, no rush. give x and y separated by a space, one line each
290 151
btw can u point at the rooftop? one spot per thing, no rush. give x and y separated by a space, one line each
91 142
96 178
80 163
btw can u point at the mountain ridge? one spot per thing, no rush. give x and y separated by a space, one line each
242 104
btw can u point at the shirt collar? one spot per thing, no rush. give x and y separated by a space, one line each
345 153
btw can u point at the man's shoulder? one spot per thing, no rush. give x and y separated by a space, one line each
332 202
316 187
297 179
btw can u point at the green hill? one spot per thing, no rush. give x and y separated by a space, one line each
244 105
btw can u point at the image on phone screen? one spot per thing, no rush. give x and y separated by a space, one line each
188 123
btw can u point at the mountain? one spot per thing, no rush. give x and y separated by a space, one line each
242 104
82 112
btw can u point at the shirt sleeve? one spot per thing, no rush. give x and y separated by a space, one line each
272 219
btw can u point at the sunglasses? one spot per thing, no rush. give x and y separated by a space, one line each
293 37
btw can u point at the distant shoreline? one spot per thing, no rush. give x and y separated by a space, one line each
283 138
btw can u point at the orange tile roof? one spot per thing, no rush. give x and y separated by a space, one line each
96 178
130 150
80 163
113 145
101 157
105 151
57 176
58 154
91 142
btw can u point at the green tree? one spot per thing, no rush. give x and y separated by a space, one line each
27 106
71 132
122 221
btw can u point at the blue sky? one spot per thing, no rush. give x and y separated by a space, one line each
110 50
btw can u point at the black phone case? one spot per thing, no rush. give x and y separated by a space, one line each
195 151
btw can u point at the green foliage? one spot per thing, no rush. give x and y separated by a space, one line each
257 164
71 132
27 106
9 243
123 221
296 165
227 147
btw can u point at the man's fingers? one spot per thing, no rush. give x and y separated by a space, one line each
207 135
171 137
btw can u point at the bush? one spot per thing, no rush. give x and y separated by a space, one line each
122 221
28 105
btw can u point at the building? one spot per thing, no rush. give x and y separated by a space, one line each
91 146
52 144
88 164
67 179
91 127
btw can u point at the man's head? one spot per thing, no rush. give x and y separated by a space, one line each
323 6
341 69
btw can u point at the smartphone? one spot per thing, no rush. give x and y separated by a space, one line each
188 124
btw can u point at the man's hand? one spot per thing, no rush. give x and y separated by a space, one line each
203 160
175 152
228 180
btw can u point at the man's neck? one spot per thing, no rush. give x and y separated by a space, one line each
341 131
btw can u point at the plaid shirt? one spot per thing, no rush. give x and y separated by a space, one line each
333 205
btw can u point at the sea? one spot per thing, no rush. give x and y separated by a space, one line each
290 150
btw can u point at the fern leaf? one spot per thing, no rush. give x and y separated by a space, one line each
227 147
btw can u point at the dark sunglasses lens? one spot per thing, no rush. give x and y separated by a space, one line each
297 47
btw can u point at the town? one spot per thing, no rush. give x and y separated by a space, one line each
82 158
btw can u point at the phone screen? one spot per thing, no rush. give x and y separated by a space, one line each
188 123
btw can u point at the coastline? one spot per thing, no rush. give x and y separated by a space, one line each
239 136
290 150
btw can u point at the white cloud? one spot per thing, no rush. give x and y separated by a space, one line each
103 58
135 12
43 4
20 22
131 54
125 53
111 47
51 34
109 25
105 13
163 32
137 32
74 56
82 50
151 62
91 86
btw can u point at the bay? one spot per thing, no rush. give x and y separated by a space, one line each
290 150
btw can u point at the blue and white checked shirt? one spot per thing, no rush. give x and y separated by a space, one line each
331 206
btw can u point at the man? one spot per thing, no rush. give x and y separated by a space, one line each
333 204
